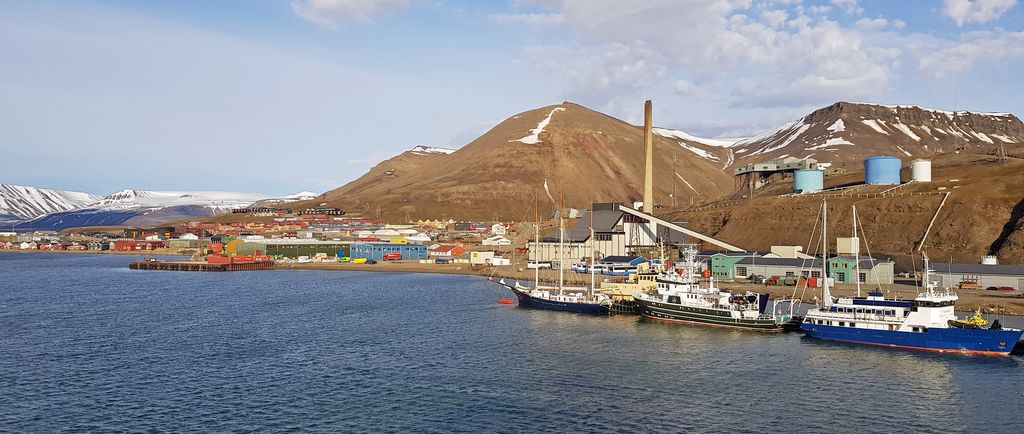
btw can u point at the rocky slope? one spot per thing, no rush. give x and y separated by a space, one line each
18 202
845 133
595 156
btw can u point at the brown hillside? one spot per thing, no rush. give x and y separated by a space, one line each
982 214
498 175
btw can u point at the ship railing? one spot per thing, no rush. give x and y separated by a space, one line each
858 316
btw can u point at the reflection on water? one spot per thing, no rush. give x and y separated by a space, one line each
89 346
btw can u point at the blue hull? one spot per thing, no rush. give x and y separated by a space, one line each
525 300
995 342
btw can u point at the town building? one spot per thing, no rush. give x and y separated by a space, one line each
292 248
989 275
872 271
447 251
376 250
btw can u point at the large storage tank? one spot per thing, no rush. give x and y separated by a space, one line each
921 171
882 170
808 180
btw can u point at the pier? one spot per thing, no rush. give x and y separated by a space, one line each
199 266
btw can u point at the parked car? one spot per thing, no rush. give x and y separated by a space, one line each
359 261
991 288
371 261
344 259
392 256
756 279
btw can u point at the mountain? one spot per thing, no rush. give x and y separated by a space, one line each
19 202
141 208
601 158
595 156
845 133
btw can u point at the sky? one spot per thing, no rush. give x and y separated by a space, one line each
281 96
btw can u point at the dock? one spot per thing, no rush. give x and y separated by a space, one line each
199 266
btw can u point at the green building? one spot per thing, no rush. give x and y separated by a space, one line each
284 248
723 264
872 272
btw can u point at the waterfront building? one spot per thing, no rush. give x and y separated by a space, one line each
293 248
986 275
377 250
872 271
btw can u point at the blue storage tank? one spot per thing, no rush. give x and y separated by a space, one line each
882 170
808 180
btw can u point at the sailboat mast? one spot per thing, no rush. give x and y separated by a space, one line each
593 251
856 251
536 244
825 294
561 236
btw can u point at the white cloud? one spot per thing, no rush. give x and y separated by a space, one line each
943 58
849 6
872 24
976 11
533 19
625 47
331 13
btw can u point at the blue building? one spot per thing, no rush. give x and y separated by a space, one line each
376 251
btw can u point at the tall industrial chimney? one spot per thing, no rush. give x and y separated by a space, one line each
649 168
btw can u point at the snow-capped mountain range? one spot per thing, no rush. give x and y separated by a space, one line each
40 208
18 202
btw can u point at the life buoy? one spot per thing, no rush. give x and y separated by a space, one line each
707 274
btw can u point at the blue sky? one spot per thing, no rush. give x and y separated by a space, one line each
278 96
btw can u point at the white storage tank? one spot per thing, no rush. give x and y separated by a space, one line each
921 171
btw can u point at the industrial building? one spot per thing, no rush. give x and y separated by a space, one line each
986 275
293 248
376 251
872 271
787 267
616 233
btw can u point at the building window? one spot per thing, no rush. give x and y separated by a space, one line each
815 274
790 274
603 237
863 277
741 271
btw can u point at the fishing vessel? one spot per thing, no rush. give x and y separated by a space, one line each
927 322
679 297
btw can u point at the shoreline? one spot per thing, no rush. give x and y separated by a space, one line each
990 302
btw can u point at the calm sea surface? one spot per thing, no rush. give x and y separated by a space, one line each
88 345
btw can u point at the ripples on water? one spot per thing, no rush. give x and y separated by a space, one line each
88 345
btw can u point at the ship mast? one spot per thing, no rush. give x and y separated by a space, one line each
561 236
536 244
856 251
593 251
825 294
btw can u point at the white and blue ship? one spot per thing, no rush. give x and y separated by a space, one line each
927 322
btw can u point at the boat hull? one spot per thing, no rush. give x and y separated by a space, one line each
675 313
954 340
528 301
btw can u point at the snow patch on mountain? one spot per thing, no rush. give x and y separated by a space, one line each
534 137
874 125
904 150
23 203
906 130
430 150
145 199
837 127
682 135
835 141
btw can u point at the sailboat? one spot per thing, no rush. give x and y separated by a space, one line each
561 298
927 322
